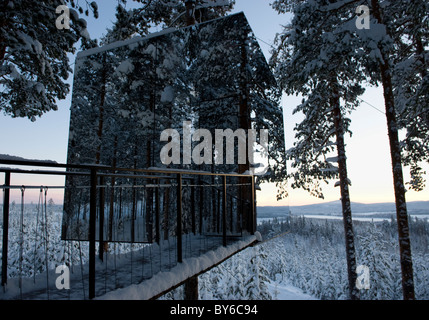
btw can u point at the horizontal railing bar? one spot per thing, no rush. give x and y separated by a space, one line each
84 174
31 187
116 175
44 172
217 185
207 173
108 168
119 186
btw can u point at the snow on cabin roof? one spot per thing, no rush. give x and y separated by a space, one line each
122 43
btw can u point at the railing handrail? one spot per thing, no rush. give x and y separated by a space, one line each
95 171
98 167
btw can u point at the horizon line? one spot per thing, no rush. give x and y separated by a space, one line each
365 203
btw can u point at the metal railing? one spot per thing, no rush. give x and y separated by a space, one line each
151 205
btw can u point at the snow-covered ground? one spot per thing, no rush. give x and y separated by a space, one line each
300 259
282 291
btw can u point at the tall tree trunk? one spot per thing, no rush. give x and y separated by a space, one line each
134 197
112 192
345 196
190 12
245 123
166 199
101 111
3 24
166 208
398 180
150 155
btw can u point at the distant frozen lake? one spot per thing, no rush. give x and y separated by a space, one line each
368 216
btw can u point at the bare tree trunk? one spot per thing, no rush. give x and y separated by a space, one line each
112 192
244 121
398 180
101 111
399 187
3 24
190 12
345 198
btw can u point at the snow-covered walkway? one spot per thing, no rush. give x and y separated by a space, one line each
139 274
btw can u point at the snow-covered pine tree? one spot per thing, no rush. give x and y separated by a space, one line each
317 61
175 13
204 287
375 51
374 254
422 275
34 63
411 83
382 50
257 277
217 287
230 281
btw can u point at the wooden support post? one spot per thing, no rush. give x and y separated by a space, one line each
5 228
191 289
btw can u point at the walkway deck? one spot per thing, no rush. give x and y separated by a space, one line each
142 273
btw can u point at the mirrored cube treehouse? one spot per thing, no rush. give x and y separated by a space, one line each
171 92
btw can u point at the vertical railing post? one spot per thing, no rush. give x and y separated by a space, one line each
91 232
193 206
101 220
252 207
5 228
243 219
201 201
157 222
179 218
224 212
217 210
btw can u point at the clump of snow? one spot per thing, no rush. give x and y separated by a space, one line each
168 94
204 53
214 3
162 281
125 67
150 50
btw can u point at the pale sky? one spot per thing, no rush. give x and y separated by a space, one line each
368 157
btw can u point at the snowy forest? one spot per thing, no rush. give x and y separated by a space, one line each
298 251
311 257
127 90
